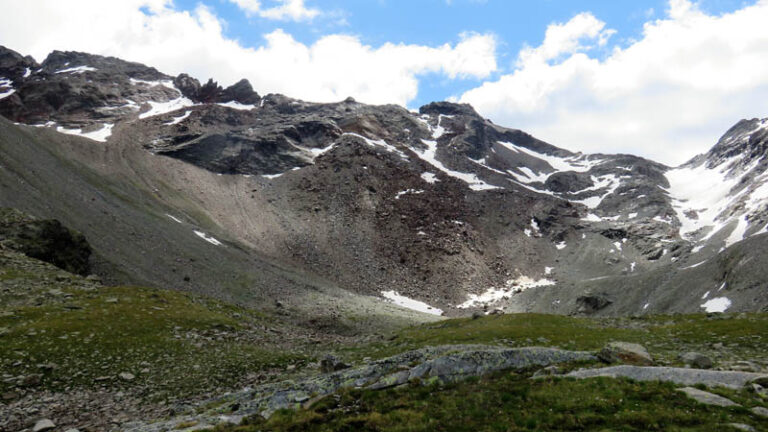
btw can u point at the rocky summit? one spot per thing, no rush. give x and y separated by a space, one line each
234 257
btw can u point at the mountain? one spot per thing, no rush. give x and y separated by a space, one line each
326 207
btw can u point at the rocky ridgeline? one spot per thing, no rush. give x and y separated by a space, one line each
459 213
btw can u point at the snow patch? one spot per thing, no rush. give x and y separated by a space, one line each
718 304
208 238
706 294
560 246
429 155
408 191
237 106
177 120
77 70
379 143
100 135
512 286
693 266
409 303
6 83
429 177
175 219
158 108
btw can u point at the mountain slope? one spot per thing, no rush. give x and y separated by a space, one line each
441 206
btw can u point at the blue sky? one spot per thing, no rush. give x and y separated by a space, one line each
435 22
662 79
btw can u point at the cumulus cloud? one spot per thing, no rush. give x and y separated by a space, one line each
154 33
293 10
668 95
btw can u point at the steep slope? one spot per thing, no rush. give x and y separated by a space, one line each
440 206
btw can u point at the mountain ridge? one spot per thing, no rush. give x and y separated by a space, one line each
442 206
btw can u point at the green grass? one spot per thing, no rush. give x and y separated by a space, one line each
176 345
509 402
743 336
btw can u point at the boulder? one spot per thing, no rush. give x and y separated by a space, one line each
707 398
43 425
625 352
696 360
332 364
592 303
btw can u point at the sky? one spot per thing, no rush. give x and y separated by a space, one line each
663 79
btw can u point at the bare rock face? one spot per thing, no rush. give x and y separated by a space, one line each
46 240
241 92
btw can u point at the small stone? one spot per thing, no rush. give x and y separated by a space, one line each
625 352
745 366
111 300
9 396
127 376
547 371
696 360
4 331
760 411
742 427
332 364
717 345
43 425
72 430
32 380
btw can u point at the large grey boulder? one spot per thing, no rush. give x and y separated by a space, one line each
696 360
707 398
684 376
625 352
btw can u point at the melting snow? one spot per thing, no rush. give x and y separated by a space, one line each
157 108
272 176
632 266
164 83
177 120
513 286
174 218
408 191
409 303
379 143
27 73
429 155
237 105
208 238
693 266
561 245
548 270
6 83
100 135
718 304
706 294
78 69
429 177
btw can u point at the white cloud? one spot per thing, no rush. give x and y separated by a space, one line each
294 10
667 96
330 69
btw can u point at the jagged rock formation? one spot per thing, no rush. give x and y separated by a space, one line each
442 206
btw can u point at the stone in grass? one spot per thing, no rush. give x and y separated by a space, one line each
760 411
707 398
625 352
696 360
127 376
43 425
